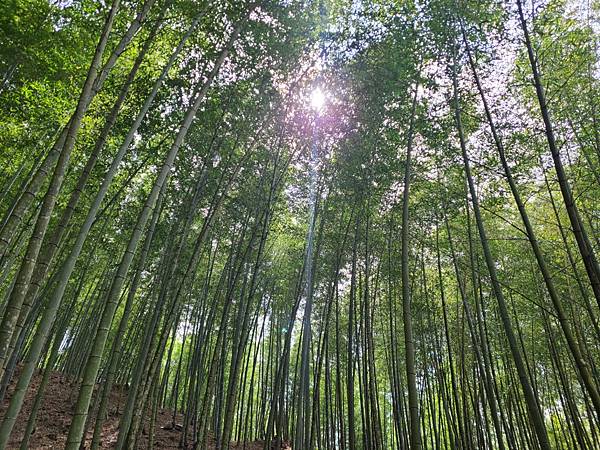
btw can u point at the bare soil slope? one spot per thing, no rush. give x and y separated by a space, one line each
54 417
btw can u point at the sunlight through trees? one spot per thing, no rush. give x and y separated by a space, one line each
277 224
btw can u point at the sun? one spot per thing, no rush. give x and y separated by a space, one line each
317 99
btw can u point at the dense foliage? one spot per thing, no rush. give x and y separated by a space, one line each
412 264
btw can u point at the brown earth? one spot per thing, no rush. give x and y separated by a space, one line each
54 418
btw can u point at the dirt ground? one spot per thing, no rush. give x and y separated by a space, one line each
54 418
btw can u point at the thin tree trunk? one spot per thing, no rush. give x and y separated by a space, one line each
409 346
531 400
585 248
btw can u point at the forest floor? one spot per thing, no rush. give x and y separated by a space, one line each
54 418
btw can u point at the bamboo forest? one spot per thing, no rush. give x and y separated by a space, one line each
300 224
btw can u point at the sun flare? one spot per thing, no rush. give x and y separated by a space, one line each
317 99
